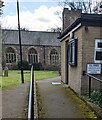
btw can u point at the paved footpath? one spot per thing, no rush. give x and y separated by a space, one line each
0 104
14 102
55 101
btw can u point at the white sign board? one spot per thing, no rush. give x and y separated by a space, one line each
94 68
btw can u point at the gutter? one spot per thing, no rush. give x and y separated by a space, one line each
69 29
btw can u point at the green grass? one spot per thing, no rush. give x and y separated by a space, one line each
41 75
14 77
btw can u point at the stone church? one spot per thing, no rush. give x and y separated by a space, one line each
37 47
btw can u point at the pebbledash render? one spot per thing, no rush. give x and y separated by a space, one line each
79 46
37 47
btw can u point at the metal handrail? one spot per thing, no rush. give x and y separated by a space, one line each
31 96
94 77
91 76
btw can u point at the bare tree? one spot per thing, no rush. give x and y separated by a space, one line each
24 29
57 29
1 5
98 7
87 6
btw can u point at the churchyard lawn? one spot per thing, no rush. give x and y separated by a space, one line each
14 77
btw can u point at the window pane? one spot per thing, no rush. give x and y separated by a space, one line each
98 55
10 55
69 53
99 45
33 56
53 57
72 51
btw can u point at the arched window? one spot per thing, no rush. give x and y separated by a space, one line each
32 56
10 55
54 57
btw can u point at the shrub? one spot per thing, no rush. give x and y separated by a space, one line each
14 66
53 67
37 66
96 97
25 65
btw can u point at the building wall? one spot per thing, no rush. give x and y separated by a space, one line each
42 56
86 45
42 41
75 72
88 55
63 61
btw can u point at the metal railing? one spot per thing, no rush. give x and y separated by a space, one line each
31 96
91 76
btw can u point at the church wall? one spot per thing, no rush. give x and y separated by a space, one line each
42 50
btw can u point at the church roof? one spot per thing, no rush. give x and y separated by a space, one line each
31 38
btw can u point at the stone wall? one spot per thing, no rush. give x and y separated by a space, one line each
43 53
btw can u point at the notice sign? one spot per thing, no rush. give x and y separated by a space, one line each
94 68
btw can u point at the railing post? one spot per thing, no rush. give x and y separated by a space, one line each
89 86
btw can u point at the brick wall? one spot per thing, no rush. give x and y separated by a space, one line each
69 16
86 44
88 55
63 61
75 72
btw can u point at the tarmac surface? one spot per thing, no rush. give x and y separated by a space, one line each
14 102
55 102
0 104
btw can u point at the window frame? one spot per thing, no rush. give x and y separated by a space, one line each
32 56
10 55
54 57
72 52
97 49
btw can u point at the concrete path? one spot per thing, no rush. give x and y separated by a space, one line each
0 104
14 102
55 101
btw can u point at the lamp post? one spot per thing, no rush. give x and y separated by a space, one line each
22 76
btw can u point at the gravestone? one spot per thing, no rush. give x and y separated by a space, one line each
6 71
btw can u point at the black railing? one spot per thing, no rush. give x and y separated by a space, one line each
91 76
31 96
